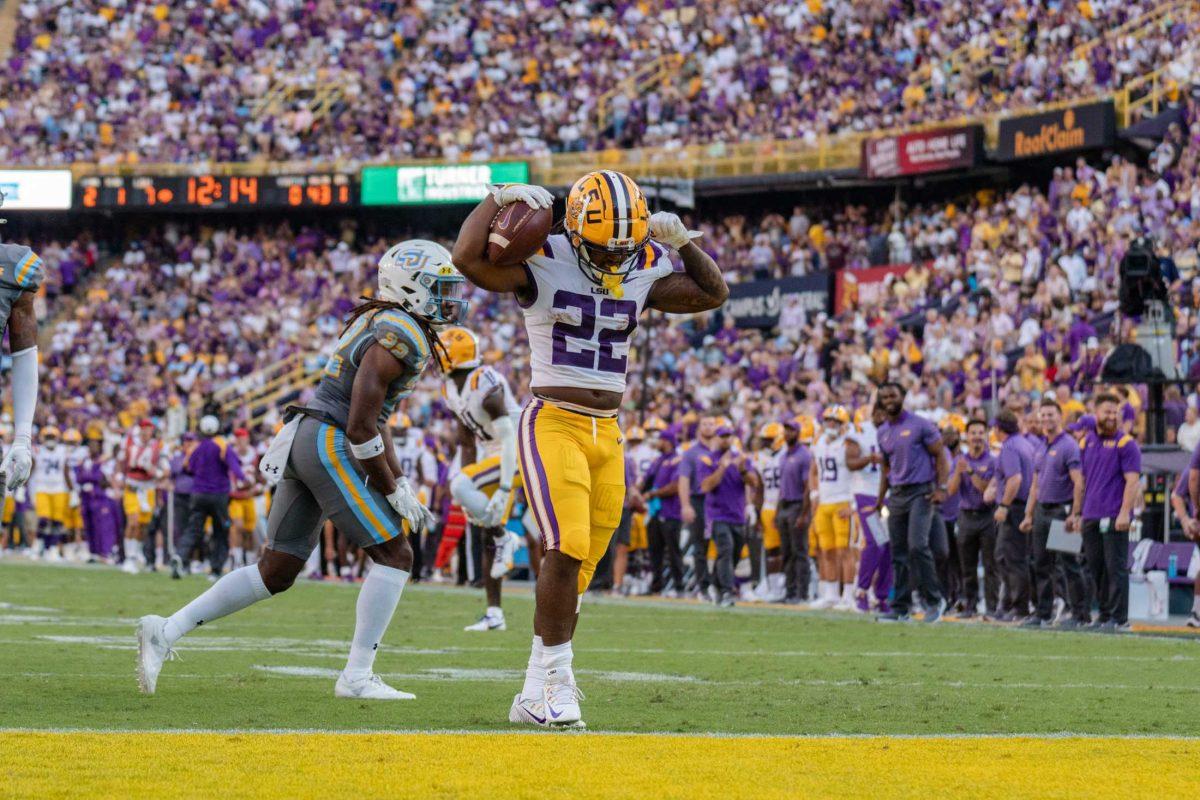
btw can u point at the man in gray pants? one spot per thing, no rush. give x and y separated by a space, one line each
913 480
795 511
691 501
976 526
724 477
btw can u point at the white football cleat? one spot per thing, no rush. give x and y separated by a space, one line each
561 698
502 561
489 622
129 566
371 687
533 712
153 651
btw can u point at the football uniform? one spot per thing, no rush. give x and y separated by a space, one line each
243 499
21 270
831 522
467 405
141 463
51 492
77 456
321 479
644 455
769 464
572 459
416 462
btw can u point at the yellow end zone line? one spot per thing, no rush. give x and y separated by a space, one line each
326 765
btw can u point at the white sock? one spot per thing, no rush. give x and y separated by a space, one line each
557 659
496 612
1196 605
236 554
158 555
535 672
235 591
377 602
473 501
131 548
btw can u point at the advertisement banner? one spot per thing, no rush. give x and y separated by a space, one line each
920 152
757 304
437 183
864 286
1060 131
35 189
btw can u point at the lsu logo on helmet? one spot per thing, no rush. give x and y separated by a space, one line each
460 349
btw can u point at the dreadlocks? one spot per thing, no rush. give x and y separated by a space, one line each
373 306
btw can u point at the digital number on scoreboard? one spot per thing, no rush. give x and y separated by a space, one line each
216 192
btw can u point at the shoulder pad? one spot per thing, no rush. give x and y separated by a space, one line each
21 267
400 335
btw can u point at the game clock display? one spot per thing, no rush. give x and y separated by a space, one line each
216 192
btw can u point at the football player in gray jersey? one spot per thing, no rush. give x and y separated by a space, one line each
335 460
21 273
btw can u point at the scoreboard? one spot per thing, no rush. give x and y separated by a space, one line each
216 192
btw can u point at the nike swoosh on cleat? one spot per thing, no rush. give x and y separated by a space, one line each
554 715
535 717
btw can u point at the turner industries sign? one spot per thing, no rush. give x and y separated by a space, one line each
1060 131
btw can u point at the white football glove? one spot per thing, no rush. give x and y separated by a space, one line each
15 467
751 515
534 196
667 228
493 515
405 501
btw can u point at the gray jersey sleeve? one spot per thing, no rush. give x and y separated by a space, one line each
20 271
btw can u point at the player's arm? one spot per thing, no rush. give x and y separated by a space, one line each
855 459
22 335
470 249
389 450
506 432
378 370
700 287
467 448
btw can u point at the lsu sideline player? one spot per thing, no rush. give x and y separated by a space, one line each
768 461
582 294
836 457
21 273
487 415
334 460
51 491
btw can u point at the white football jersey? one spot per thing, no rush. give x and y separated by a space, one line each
48 469
866 480
579 333
467 405
644 456
833 476
416 462
769 464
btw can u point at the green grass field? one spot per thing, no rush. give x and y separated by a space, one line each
67 662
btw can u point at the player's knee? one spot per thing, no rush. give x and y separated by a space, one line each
276 577
396 553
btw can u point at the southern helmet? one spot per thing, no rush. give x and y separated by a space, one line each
608 224
420 276
460 349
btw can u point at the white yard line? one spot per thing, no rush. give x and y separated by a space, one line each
1035 736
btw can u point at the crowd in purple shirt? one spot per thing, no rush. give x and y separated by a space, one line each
145 82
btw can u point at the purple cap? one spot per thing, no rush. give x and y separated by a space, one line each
724 430
669 437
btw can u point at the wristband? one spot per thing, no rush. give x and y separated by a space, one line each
368 449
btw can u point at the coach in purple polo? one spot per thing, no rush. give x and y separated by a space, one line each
913 479
1112 462
1057 471
1014 477
725 476
795 512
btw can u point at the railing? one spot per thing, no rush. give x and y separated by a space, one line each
1137 27
659 70
262 406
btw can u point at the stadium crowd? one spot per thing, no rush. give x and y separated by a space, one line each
238 80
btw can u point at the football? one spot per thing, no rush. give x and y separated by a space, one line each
516 233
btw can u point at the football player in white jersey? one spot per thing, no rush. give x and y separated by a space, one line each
768 461
487 414
835 457
51 491
420 464
582 294
21 274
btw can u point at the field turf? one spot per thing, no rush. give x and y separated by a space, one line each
694 687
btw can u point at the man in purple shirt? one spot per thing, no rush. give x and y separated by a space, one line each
1185 512
211 465
724 476
945 521
1111 462
661 490
1014 477
795 512
691 501
973 473
913 479
1057 471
